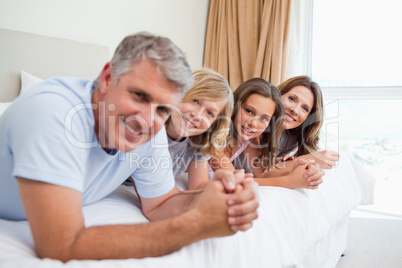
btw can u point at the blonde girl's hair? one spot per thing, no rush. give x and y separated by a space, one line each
307 133
210 85
269 141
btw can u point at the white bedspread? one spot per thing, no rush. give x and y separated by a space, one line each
296 228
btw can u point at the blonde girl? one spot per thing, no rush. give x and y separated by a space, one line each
199 127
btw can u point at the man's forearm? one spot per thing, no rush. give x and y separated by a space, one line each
201 220
175 205
133 241
59 231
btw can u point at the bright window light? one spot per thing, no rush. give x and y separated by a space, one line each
357 43
357 47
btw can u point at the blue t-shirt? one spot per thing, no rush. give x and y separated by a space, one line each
48 135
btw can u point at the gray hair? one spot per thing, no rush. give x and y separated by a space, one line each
169 59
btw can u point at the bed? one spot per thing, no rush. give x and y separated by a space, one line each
295 228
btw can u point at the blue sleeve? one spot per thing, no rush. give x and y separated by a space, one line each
40 141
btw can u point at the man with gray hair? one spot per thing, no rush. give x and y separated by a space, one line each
67 142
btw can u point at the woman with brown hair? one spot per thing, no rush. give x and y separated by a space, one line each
304 116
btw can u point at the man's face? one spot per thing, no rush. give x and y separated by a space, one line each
132 110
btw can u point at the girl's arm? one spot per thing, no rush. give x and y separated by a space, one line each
221 161
280 169
198 176
304 174
299 173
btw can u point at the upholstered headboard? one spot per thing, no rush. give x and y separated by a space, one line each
45 57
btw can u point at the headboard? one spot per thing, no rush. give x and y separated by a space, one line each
45 57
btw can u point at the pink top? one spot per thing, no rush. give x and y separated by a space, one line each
239 150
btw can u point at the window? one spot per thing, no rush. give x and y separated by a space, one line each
357 61
357 43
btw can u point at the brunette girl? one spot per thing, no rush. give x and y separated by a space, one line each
257 122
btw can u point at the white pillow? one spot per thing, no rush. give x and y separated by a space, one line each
28 81
4 106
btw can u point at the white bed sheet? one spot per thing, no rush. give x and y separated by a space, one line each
295 228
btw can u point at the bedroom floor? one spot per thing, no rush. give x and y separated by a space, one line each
375 231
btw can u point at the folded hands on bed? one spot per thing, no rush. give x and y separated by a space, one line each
327 158
240 198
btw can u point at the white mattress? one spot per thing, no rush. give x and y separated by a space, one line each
296 228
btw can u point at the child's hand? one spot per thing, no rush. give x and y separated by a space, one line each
229 178
248 176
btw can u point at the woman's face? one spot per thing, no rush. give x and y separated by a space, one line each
194 117
298 103
254 116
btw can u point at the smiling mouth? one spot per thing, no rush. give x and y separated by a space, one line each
247 131
289 118
130 129
188 123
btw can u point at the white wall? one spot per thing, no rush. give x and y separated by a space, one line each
107 22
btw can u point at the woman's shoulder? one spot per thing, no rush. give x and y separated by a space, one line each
289 142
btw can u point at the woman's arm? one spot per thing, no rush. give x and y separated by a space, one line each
327 159
299 173
280 169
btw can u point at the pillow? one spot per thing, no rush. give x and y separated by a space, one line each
28 81
4 106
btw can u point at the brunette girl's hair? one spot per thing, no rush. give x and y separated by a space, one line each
307 133
269 140
210 85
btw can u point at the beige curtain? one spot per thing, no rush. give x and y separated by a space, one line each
248 38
